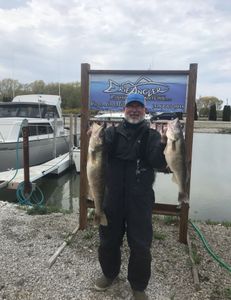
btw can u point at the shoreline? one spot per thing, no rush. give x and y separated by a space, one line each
212 127
28 242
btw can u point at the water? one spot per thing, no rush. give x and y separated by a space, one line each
210 196
210 192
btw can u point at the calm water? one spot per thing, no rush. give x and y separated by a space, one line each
210 196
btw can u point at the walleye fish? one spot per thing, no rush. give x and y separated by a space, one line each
95 171
175 157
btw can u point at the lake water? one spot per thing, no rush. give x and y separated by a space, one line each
210 195
210 192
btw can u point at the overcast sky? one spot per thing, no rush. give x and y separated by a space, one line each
49 39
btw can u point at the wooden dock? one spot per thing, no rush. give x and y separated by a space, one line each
54 166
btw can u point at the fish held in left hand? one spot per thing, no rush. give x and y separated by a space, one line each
96 171
175 157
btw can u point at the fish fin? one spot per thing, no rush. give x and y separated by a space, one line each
97 219
173 145
100 219
103 220
174 179
167 169
89 195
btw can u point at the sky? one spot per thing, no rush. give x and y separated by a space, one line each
49 39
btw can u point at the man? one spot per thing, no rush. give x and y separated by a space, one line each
134 151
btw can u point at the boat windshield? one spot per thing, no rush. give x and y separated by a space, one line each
28 110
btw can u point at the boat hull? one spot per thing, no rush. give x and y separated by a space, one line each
40 151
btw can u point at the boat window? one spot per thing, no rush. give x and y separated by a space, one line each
50 129
23 112
32 130
51 112
28 110
39 129
42 129
7 111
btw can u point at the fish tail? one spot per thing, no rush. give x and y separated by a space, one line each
183 197
97 219
100 219
103 219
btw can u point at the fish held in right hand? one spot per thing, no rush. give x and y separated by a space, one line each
96 171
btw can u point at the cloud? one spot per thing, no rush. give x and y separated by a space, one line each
49 39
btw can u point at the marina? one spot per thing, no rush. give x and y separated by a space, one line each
12 178
34 141
47 136
209 195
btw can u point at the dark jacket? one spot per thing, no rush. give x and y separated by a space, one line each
134 152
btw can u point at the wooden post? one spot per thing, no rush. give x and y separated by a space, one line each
71 139
75 130
84 145
188 144
54 139
26 165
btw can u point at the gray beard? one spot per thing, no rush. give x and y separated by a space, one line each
132 121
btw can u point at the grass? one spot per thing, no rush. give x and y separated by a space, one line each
227 293
210 222
90 232
225 130
195 256
226 224
223 223
169 220
159 236
172 297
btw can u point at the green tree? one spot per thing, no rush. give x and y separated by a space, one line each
38 87
8 89
226 113
204 104
69 92
213 113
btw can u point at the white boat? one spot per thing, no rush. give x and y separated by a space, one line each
47 136
113 116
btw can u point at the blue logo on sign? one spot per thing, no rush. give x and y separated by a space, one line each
143 85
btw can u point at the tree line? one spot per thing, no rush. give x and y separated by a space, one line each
71 93
211 108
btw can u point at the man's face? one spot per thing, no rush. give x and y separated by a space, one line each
134 112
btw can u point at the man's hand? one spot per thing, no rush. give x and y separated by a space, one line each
89 132
161 128
163 134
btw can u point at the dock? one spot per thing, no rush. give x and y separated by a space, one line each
54 166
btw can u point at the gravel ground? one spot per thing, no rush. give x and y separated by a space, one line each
27 242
